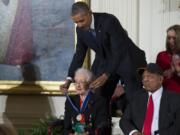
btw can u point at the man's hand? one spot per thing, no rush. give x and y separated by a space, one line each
118 91
169 72
100 81
176 63
64 87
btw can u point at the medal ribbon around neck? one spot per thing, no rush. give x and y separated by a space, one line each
85 102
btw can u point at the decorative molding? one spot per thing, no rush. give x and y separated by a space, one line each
37 87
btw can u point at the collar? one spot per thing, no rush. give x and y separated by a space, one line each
92 22
82 97
157 94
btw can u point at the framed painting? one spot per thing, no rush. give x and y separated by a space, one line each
37 42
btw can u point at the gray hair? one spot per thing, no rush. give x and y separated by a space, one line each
86 73
79 7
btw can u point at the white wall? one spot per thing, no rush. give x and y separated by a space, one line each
155 17
125 10
145 20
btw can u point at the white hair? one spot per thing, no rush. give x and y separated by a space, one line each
86 73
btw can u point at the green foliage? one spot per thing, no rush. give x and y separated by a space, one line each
21 132
41 128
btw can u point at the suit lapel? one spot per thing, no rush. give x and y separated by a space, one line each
90 103
77 101
98 29
163 109
88 110
143 109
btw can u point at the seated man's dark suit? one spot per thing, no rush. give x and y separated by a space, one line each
169 114
95 114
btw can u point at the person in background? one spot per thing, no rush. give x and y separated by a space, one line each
85 112
173 83
103 33
164 58
154 110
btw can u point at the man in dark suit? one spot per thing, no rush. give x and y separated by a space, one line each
85 109
104 34
161 113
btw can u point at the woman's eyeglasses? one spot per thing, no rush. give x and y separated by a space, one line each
80 83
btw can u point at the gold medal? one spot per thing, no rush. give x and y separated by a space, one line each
79 117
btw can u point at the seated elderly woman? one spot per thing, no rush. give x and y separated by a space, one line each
85 112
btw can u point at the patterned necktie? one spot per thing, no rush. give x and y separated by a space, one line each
93 33
148 117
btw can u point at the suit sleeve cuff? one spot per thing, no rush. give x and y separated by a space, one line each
133 131
69 78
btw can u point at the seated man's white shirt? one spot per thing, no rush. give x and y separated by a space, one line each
156 100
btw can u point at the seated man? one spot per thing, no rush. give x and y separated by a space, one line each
153 111
85 113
